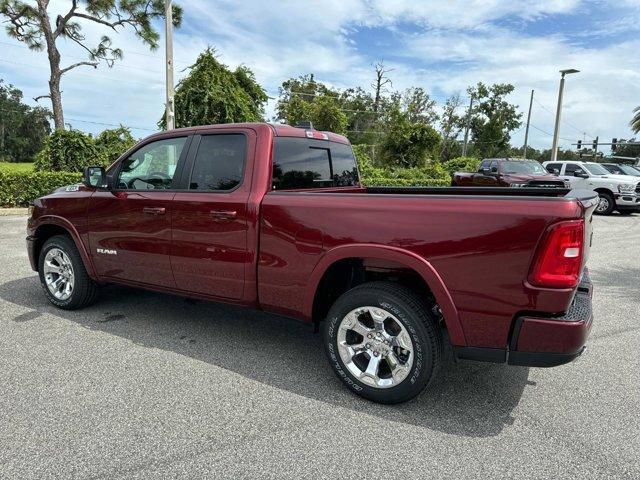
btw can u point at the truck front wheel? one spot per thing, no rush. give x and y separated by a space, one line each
606 204
63 276
383 342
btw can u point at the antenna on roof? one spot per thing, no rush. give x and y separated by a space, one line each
305 124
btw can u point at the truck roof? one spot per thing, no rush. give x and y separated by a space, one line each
279 130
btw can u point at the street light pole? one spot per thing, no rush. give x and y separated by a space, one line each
169 110
556 130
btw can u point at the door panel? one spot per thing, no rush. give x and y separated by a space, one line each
209 252
130 225
130 237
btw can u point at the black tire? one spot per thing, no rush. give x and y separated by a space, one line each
84 288
420 324
611 204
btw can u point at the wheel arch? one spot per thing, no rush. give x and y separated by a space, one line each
408 260
50 226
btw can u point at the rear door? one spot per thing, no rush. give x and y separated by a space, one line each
209 251
130 225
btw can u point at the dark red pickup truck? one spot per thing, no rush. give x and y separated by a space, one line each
274 218
508 172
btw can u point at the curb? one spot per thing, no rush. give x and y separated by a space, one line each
13 211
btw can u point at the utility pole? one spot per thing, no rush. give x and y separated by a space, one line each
526 132
168 20
466 130
556 130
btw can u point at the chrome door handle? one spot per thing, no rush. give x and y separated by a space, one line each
154 210
223 214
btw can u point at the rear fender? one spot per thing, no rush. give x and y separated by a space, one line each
404 257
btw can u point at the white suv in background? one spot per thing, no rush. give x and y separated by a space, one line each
616 192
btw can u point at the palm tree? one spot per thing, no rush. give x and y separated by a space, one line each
635 122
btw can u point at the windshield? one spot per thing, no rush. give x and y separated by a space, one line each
629 170
595 169
530 168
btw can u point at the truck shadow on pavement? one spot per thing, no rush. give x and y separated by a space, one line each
467 398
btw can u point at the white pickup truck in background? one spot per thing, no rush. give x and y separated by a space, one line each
616 192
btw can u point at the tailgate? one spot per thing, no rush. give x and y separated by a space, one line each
588 199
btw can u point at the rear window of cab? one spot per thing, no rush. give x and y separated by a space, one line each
303 163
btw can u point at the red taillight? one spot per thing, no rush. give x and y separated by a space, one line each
559 256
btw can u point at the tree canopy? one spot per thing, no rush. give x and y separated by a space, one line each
32 23
212 93
22 128
493 119
635 121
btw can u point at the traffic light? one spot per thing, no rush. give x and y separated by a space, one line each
594 145
614 145
579 145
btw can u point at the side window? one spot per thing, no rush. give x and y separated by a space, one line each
494 166
297 164
343 163
572 168
219 163
151 167
551 167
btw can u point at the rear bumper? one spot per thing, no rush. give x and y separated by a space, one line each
544 341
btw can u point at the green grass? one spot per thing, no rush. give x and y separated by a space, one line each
8 167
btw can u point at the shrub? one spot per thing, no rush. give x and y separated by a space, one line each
20 188
112 143
69 151
461 164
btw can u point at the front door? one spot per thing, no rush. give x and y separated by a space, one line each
569 174
130 225
209 220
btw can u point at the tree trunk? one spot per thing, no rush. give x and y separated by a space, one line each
54 65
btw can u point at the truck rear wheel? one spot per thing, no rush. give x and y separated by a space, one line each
63 276
606 204
383 342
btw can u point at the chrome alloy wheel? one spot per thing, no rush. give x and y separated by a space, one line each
603 205
375 347
58 274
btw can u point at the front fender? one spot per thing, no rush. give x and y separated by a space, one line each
73 233
404 257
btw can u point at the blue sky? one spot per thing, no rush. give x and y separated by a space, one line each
440 46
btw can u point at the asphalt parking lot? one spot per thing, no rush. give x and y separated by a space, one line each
143 385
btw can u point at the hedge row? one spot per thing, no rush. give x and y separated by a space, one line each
405 182
19 189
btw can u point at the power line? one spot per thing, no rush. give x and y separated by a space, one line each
581 131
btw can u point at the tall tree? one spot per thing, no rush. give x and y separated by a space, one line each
380 83
494 118
450 128
305 99
22 128
31 23
211 93
635 122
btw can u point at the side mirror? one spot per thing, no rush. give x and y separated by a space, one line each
556 171
581 174
94 177
494 169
